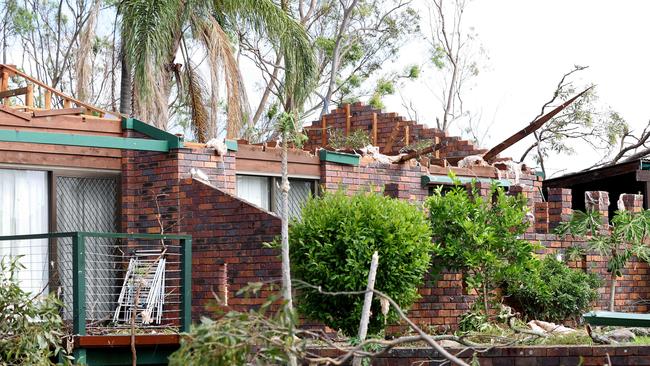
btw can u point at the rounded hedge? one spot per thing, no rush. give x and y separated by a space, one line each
332 245
550 290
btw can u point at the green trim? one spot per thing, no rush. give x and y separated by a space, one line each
614 318
78 285
645 164
232 145
339 157
443 179
83 140
186 284
174 142
158 355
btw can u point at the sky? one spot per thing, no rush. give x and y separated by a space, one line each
530 45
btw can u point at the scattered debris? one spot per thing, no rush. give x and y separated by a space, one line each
549 328
621 335
472 161
200 175
373 151
218 145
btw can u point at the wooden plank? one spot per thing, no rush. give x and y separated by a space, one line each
4 85
48 99
374 129
14 92
29 96
53 129
348 122
254 152
274 168
60 160
532 127
406 135
21 115
58 112
67 103
391 139
60 149
125 340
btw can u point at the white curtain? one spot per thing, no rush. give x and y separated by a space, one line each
254 189
24 210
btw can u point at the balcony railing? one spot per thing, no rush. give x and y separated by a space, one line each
110 283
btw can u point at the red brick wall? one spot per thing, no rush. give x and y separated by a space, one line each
453 149
227 230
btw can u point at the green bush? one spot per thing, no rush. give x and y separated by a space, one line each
331 246
479 236
31 328
549 290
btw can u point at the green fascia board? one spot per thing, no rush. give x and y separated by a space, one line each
108 142
339 157
614 318
232 145
174 141
443 179
645 164
157 355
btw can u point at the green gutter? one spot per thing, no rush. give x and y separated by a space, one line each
613 318
108 142
174 142
443 179
232 145
339 157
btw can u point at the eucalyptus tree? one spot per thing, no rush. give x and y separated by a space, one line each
154 33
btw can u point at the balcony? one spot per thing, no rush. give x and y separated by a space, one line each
114 286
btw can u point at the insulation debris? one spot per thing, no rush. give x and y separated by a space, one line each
549 328
218 145
472 161
373 151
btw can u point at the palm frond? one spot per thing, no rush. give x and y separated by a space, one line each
222 63
196 104
150 29
286 34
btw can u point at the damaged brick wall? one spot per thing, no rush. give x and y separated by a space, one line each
392 131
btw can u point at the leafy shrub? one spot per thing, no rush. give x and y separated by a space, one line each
357 139
480 237
331 246
30 327
549 290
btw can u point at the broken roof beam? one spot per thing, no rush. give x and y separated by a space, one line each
532 127
10 70
416 153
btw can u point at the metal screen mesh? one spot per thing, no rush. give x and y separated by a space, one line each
87 204
298 194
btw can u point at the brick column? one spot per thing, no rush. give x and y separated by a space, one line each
559 206
396 190
598 201
541 217
631 202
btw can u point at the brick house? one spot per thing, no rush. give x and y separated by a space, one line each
88 170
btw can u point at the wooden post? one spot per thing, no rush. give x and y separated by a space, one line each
324 132
367 302
374 129
29 96
406 135
4 85
347 119
436 140
48 99
67 103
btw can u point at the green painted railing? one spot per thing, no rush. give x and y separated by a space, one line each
79 270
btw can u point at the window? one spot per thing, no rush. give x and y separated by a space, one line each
265 192
24 210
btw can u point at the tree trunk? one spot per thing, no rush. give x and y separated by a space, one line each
126 88
286 264
612 291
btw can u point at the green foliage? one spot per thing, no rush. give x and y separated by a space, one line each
30 327
479 236
331 246
551 291
357 139
240 338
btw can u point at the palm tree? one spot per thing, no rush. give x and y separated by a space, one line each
154 31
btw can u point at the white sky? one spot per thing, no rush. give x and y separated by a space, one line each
530 45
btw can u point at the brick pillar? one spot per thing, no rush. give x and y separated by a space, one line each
541 217
598 201
559 206
396 190
631 202
482 187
